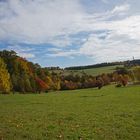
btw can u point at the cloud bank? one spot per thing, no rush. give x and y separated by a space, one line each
70 30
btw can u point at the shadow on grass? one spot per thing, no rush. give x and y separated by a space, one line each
92 96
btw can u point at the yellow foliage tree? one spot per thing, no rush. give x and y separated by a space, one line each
5 85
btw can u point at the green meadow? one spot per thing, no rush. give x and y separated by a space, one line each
90 71
101 70
88 114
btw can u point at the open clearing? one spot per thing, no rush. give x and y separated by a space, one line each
89 114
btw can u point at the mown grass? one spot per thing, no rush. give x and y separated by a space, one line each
90 114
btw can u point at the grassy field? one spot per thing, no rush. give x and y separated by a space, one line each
91 71
98 71
90 114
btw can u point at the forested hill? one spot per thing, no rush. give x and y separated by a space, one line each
125 63
19 75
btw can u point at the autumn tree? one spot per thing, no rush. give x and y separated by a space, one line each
41 85
106 79
56 82
122 80
99 82
5 84
136 73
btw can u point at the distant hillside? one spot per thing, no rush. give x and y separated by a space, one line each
89 71
99 70
125 63
19 75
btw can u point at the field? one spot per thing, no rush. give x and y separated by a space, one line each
101 70
91 71
89 114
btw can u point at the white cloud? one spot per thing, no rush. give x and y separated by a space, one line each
121 8
38 21
119 40
62 53
47 21
110 49
120 43
26 55
42 21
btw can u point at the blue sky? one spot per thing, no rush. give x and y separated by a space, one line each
71 32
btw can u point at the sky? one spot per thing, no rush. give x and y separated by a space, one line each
71 32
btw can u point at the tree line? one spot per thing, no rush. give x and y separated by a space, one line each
19 75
